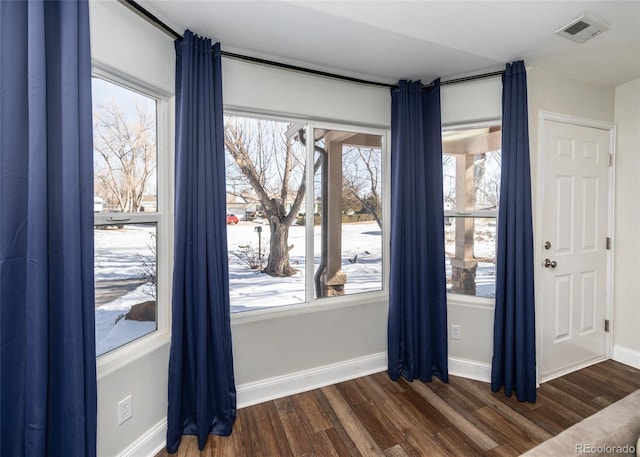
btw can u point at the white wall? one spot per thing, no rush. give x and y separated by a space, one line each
470 356
290 350
263 89
123 40
335 341
271 348
264 349
626 240
281 345
472 101
127 44
552 93
549 92
546 92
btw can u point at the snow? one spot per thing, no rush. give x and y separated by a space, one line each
118 257
121 333
111 335
118 251
250 289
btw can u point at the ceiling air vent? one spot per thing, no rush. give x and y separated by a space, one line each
582 29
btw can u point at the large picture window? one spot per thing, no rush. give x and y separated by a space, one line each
471 188
304 211
126 215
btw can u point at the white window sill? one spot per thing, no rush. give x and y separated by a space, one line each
119 358
471 301
322 305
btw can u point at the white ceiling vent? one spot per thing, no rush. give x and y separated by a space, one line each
582 29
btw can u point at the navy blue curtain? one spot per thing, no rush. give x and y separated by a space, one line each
202 394
47 313
417 333
514 339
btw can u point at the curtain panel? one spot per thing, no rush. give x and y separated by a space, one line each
47 333
202 395
417 328
514 339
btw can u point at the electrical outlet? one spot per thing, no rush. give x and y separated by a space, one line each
124 410
455 332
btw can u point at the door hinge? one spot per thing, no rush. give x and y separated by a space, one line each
606 325
608 243
610 160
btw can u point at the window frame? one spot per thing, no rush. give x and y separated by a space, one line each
162 217
460 299
312 304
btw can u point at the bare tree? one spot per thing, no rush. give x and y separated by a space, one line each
449 178
350 201
487 179
274 166
126 154
362 177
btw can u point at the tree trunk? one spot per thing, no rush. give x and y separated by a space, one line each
278 262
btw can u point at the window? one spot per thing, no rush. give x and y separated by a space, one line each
289 246
126 217
471 188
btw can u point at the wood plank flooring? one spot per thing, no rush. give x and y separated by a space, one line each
374 416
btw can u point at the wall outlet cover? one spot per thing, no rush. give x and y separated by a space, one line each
124 410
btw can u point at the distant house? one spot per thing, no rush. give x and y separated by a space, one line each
98 204
149 203
242 205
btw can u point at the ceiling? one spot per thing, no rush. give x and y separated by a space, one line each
390 40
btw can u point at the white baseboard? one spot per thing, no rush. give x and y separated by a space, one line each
627 356
253 393
570 368
470 369
302 381
281 386
149 444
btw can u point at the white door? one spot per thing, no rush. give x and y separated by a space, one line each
574 252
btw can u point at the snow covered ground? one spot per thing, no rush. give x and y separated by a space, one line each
119 256
110 335
250 289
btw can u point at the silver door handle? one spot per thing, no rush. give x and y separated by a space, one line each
550 263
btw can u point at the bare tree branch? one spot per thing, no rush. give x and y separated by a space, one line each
126 158
362 175
271 163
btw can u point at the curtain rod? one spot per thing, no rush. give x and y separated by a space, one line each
168 30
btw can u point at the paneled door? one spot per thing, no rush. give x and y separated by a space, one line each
575 196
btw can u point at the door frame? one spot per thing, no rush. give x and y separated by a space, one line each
539 251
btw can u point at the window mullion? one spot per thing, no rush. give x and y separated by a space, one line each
310 216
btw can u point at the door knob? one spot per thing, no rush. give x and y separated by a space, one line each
550 263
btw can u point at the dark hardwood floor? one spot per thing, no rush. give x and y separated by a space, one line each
373 416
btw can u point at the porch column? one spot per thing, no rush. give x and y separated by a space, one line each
463 265
334 279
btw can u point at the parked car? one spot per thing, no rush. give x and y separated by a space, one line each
232 219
